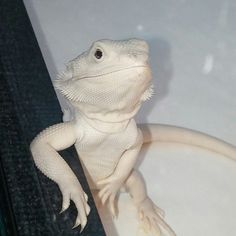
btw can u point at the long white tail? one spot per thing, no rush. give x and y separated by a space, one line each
167 133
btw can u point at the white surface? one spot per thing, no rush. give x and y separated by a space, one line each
193 54
195 187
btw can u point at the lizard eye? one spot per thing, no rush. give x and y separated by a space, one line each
98 54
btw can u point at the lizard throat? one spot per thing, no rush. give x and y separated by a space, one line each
103 126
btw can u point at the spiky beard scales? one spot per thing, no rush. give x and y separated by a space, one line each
113 97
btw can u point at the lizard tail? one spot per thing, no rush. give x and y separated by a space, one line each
167 133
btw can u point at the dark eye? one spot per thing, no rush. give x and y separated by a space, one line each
98 54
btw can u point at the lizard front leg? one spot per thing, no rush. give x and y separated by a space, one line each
45 149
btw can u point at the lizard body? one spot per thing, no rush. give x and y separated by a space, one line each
106 86
100 152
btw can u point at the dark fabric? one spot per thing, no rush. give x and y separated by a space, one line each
28 104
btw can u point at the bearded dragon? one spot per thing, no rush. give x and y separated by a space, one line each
106 86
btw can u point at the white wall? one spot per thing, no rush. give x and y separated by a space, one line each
193 52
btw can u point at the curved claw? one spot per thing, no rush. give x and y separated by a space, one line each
84 217
112 205
165 226
74 192
83 224
155 227
105 197
104 194
86 196
103 191
77 223
88 209
82 213
65 201
159 211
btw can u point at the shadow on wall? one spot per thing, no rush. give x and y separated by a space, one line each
162 67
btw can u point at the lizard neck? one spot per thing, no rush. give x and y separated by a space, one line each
101 126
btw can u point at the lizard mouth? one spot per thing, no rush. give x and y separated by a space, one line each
109 72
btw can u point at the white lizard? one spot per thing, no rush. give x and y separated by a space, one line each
106 86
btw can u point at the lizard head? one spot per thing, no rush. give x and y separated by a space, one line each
109 81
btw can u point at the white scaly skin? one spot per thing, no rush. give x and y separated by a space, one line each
106 86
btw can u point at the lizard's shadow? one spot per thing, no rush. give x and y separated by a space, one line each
162 68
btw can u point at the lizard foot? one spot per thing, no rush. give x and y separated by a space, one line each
73 191
151 218
110 188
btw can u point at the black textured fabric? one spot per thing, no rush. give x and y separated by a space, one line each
28 104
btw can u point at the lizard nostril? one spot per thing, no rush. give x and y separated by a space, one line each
141 56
